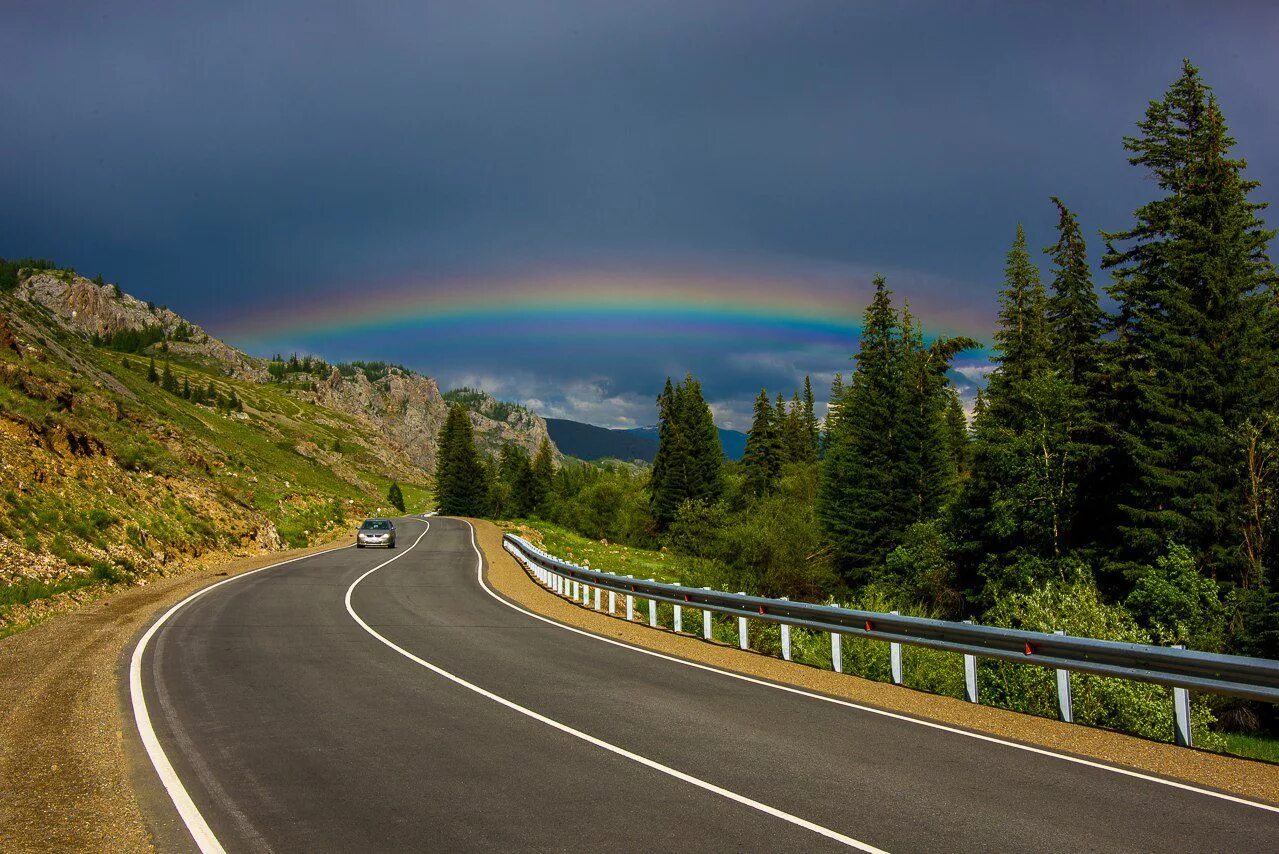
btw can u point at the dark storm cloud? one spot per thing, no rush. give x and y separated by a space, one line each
210 156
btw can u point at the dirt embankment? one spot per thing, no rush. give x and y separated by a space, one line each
66 778
1247 778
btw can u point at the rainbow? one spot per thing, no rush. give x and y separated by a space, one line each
590 307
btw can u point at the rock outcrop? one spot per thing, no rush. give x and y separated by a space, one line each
90 308
409 410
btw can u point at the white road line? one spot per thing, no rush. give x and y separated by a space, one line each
883 712
187 810
590 739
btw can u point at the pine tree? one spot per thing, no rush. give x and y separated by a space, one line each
1022 337
659 489
837 391
461 480
1016 517
689 455
1075 327
957 438
1194 353
858 492
1075 319
186 389
542 475
812 439
395 496
705 451
167 381
761 459
784 424
152 376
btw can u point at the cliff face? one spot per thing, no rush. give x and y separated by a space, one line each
90 308
409 410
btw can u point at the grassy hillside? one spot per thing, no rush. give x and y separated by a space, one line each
108 477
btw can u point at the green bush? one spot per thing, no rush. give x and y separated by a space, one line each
1075 607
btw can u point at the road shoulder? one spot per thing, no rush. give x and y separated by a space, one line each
1242 777
69 758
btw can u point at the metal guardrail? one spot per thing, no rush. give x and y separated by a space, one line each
1181 669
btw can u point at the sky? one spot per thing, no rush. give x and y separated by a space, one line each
565 202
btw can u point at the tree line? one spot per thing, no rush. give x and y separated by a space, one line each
1115 478
470 483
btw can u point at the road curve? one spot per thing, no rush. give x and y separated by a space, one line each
341 702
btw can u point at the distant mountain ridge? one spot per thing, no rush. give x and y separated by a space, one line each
588 442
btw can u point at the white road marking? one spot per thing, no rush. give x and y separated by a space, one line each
590 739
883 712
187 810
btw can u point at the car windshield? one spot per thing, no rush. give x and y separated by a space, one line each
376 525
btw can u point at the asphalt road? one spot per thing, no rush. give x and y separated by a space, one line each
469 725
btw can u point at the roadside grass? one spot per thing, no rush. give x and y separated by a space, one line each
1260 747
601 555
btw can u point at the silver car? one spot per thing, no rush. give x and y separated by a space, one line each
376 532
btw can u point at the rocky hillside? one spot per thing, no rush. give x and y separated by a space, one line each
104 310
109 475
408 410
403 407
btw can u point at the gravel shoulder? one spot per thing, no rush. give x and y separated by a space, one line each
1243 777
66 741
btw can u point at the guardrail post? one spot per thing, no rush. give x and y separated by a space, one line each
970 674
895 658
1065 706
743 639
836 653
1181 712
679 619
598 591
786 636
612 602
706 622
652 611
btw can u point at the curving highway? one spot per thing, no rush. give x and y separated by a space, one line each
369 700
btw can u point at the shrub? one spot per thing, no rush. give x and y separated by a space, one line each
1075 607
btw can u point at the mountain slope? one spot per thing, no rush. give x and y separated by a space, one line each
732 441
111 476
588 442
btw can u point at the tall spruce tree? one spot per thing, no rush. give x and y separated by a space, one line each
957 438
857 499
1074 315
762 458
1075 327
812 438
542 475
461 479
661 470
689 457
1194 351
1015 519
1022 336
